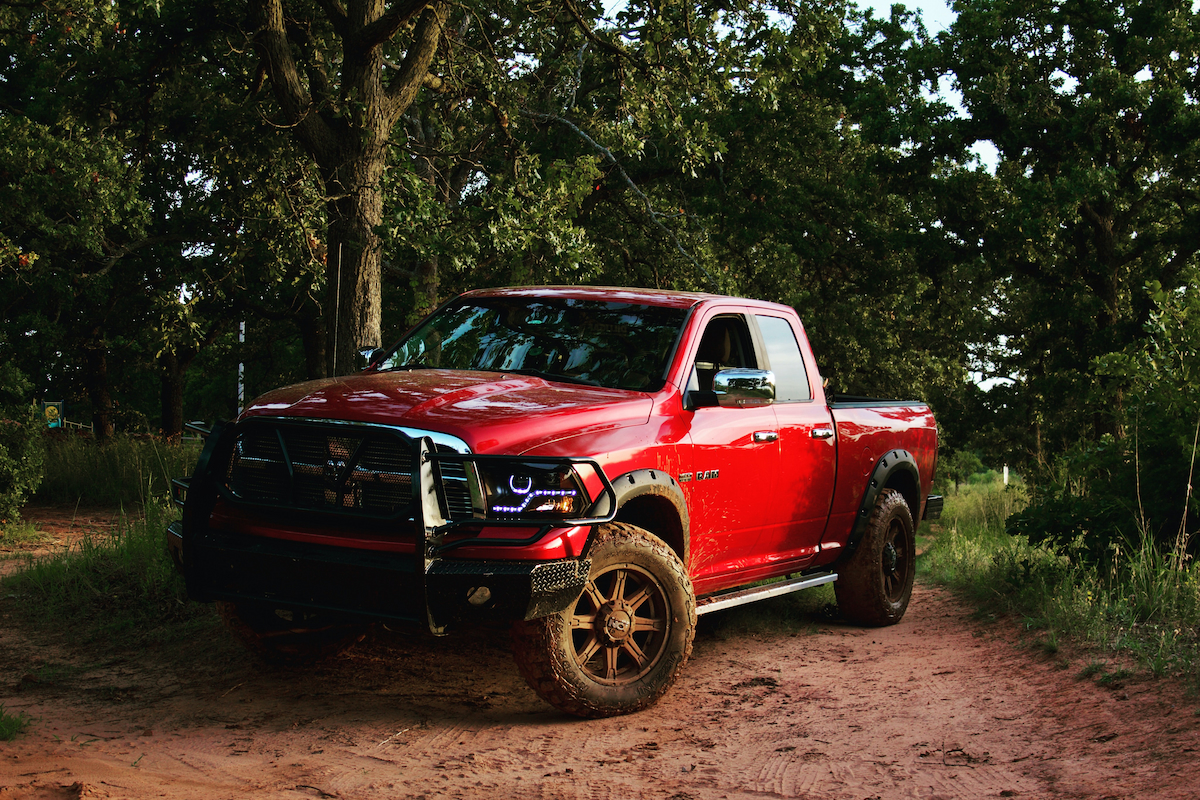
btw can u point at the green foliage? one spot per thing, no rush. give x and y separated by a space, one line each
1121 489
958 467
1092 106
21 444
21 533
126 472
12 725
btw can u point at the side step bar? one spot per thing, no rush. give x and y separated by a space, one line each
740 597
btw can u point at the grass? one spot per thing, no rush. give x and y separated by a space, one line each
12 725
125 472
21 533
118 590
1142 607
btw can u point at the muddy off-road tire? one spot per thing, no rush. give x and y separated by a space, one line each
875 584
290 638
622 644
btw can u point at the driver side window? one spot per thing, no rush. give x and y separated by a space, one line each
726 343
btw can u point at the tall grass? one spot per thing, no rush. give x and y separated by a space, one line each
120 589
1141 604
125 472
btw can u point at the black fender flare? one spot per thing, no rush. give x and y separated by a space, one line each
897 469
660 483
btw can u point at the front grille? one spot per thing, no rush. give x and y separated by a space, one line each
343 469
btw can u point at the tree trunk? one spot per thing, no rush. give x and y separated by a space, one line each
345 122
172 370
425 293
352 271
312 335
97 388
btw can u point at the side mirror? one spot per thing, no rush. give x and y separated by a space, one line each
741 388
369 356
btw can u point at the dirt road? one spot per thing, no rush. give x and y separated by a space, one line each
939 706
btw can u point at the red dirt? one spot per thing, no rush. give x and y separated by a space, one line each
940 706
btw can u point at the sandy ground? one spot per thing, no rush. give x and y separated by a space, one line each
942 705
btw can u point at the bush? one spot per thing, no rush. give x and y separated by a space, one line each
1136 485
1142 603
22 450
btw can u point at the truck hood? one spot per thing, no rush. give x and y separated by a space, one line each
493 412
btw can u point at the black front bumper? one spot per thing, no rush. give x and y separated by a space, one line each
372 584
429 587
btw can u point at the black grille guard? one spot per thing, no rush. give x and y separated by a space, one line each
428 508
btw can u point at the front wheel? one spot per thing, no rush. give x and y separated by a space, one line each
622 644
874 586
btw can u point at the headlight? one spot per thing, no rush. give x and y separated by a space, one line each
531 490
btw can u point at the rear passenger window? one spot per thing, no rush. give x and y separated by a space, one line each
791 379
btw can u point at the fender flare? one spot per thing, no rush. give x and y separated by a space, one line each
897 469
641 482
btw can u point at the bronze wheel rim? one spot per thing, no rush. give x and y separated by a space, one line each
620 625
895 566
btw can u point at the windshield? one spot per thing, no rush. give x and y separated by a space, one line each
615 345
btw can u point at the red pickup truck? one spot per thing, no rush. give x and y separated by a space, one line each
595 466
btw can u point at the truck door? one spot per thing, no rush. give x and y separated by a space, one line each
808 452
735 460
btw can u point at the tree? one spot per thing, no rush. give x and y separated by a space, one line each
21 444
1092 106
344 120
151 207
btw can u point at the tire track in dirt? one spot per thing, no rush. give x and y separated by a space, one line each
939 706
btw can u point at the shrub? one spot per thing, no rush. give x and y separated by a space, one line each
22 451
1119 490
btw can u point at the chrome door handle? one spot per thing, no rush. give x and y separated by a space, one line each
766 436
822 433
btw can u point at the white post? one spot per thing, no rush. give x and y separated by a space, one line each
241 368
1006 474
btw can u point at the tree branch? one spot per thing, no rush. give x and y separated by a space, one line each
403 88
608 47
271 42
384 28
336 15
655 217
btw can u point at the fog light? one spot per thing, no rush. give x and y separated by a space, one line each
479 595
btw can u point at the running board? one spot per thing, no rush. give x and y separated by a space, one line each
739 597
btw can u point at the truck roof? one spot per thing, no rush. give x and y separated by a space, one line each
649 297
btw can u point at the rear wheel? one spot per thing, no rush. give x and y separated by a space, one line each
622 644
286 636
874 586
